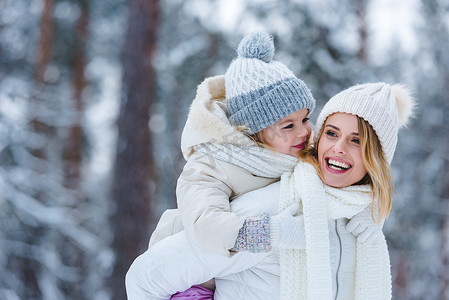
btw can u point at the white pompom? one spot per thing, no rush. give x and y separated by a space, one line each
257 45
405 103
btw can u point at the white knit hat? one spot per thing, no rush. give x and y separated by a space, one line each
259 90
386 108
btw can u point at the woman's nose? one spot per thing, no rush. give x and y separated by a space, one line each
339 147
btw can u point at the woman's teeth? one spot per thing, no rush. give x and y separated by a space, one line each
337 165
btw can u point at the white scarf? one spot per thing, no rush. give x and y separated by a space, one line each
258 161
307 274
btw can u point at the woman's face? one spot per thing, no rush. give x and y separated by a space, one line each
289 135
339 151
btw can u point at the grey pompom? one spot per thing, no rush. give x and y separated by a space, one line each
257 45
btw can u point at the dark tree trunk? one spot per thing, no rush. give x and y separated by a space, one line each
45 40
133 174
72 153
72 149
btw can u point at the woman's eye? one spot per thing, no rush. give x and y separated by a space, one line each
288 126
305 120
331 134
357 141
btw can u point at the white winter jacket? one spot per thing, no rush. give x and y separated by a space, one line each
207 185
249 276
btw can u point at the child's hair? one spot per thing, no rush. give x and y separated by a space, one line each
256 137
379 175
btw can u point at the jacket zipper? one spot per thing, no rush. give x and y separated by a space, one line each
339 261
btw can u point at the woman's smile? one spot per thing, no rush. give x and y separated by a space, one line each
337 166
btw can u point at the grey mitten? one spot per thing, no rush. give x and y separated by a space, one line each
261 233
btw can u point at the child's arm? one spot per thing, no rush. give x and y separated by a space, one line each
203 192
168 225
261 233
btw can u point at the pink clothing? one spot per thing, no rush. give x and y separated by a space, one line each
195 292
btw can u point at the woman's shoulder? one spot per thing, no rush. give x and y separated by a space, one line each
258 201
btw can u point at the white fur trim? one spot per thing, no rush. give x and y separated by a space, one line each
405 103
207 119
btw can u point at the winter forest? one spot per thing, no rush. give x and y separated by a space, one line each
94 96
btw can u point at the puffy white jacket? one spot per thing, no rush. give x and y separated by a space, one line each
207 185
244 275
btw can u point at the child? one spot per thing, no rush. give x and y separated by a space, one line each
222 142
234 147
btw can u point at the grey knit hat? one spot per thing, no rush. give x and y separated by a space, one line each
386 108
259 91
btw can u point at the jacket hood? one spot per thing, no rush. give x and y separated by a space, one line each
208 121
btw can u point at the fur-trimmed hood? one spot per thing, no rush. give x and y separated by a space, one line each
208 121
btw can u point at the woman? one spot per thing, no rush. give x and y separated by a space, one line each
357 136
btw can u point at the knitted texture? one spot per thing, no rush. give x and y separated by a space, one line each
254 236
307 274
258 161
364 226
291 229
385 107
292 278
259 91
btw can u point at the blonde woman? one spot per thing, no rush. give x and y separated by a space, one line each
347 172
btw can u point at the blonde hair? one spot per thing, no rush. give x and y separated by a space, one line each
379 175
255 137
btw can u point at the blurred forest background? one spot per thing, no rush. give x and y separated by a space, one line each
94 96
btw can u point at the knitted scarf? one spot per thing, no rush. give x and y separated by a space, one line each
258 161
307 274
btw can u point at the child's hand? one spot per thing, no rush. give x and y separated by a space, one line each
285 230
288 229
363 226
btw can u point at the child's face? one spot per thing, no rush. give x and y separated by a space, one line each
339 151
290 134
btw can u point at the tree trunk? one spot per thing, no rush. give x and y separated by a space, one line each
360 10
72 149
72 153
45 40
42 60
133 175
400 279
